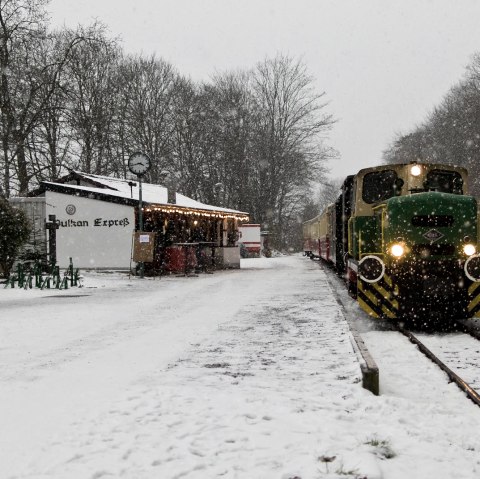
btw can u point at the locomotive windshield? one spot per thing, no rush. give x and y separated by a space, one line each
444 181
380 185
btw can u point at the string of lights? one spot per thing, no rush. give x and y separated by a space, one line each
197 212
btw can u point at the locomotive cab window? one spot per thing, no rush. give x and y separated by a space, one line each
380 185
444 182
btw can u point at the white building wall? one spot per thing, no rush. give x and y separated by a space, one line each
95 234
249 234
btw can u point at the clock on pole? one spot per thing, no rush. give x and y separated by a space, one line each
139 163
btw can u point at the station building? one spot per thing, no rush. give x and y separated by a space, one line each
96 217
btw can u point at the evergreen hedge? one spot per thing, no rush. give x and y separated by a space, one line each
14 233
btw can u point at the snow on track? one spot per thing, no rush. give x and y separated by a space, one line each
459 351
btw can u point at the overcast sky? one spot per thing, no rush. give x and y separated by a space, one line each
382 63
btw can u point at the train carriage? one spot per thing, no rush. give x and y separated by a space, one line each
311 237
405 239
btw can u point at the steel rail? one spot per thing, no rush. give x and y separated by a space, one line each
370 370
464 386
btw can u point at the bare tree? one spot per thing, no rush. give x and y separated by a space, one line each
21 21
253 141
27 82
48 144
190 122
451 133
289 141
146 100
237 117
93 92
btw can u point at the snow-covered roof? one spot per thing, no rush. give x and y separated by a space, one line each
129 189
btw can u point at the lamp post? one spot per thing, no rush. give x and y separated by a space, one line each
139 163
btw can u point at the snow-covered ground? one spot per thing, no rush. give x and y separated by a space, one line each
240 374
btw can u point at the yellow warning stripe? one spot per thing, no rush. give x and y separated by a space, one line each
472 288
474 293
387 280
474 302
368 293
378 299
386 295
388 312
367 308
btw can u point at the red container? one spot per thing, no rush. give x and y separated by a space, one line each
175 259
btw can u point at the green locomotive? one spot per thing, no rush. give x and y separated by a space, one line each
405 238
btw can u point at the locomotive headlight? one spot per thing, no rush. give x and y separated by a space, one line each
469 249
415 170
397 250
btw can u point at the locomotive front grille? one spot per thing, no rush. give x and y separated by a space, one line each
422 279
427 250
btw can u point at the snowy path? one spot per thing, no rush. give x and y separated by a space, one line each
79 352
240 374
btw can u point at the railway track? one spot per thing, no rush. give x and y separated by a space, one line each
457 353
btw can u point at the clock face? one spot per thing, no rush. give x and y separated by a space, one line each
139 163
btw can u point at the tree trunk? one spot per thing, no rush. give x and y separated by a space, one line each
23 178
6 170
